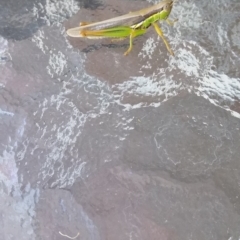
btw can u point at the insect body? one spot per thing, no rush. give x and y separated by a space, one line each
130 25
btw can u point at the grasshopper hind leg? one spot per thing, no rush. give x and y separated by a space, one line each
117 39
160 33
84 23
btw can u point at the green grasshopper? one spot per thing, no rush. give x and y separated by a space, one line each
130 25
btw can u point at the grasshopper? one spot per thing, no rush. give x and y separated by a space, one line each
130 25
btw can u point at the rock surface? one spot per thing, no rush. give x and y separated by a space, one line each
112 147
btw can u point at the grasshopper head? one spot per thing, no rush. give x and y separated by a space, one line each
166 9
168 6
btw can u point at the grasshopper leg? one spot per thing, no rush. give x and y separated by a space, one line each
84 23
130 43
171 22
160 33
134 33
117 39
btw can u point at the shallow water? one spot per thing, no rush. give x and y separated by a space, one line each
138 147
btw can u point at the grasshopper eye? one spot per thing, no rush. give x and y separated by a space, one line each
168 7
